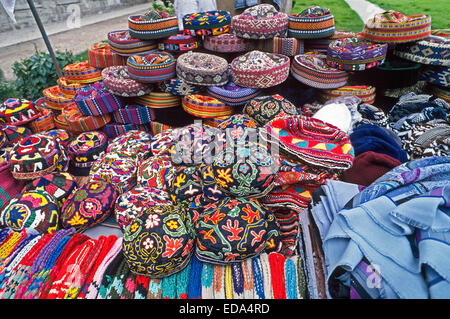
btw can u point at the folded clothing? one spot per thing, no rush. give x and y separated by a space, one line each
394 27
94 100
312 70
118 81
312 23
354 54
232 94
207 23
257 69
432 50
154 24
100 56
151 68
123 44
262 21
369 137
227 43
202 69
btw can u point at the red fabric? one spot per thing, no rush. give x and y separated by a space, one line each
369 166
276 261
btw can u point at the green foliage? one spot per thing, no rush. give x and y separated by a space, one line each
38 72
163 5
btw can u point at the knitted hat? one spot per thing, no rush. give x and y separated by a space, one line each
179 87
82 72
312 23
312 141
394 27
432 50
262 21
158 100
205 106
100 56
132 203
354 54
117 81
265 108
369 137
35 156
202 69
154 67
154 24
123 44
17 111
286 46
89 205
66 88
133 114
232 94
369 166
258 69
245 171
179 43
94 100
158 242
116 169
32 210
85 150
227 43
156 172
207 23
59 185
312 70
437 75
185 184
336 114
221 238
364 92
55 99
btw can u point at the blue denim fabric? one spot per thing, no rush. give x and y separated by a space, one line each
239 4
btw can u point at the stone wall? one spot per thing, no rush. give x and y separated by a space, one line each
58 11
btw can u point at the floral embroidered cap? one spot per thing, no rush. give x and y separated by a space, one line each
265 108
159 242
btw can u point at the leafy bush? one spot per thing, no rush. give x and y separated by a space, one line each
163 5
38 72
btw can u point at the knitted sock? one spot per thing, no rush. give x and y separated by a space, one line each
276 262
118 281
195 280
168 287
207 281
154 288
129 286
109 276
142 283
182 281
290 274
266 275
238 280
219 282
247 275
258 278
228 282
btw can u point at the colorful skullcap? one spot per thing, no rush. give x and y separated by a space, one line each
17 112
207 23
314 22
153 24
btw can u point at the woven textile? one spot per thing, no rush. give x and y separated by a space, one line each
312 70
100 56
82 72
44 122
31 210
365 93
232 94
312 23
436 75
179 43
205 106
77 122
134 144
394 27
312 141
432 50
66 88
227 43
158 242
321 45
153 67
179 87
202 69
89 205
154 24
55 99
265 108
123 44
354 54
118 81
113 130
207 23
133 114
87 148
262 21
159 100
286 46
94 100
17 111
156 172
14 134
258 69
35 156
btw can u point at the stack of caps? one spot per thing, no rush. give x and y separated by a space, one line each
207 23
312 23
179 43
260 22
55 99
82 73
365 93
203 106
154 24
100 56
232 94
153 67
123 44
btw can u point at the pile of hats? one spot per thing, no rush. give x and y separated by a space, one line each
185 164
